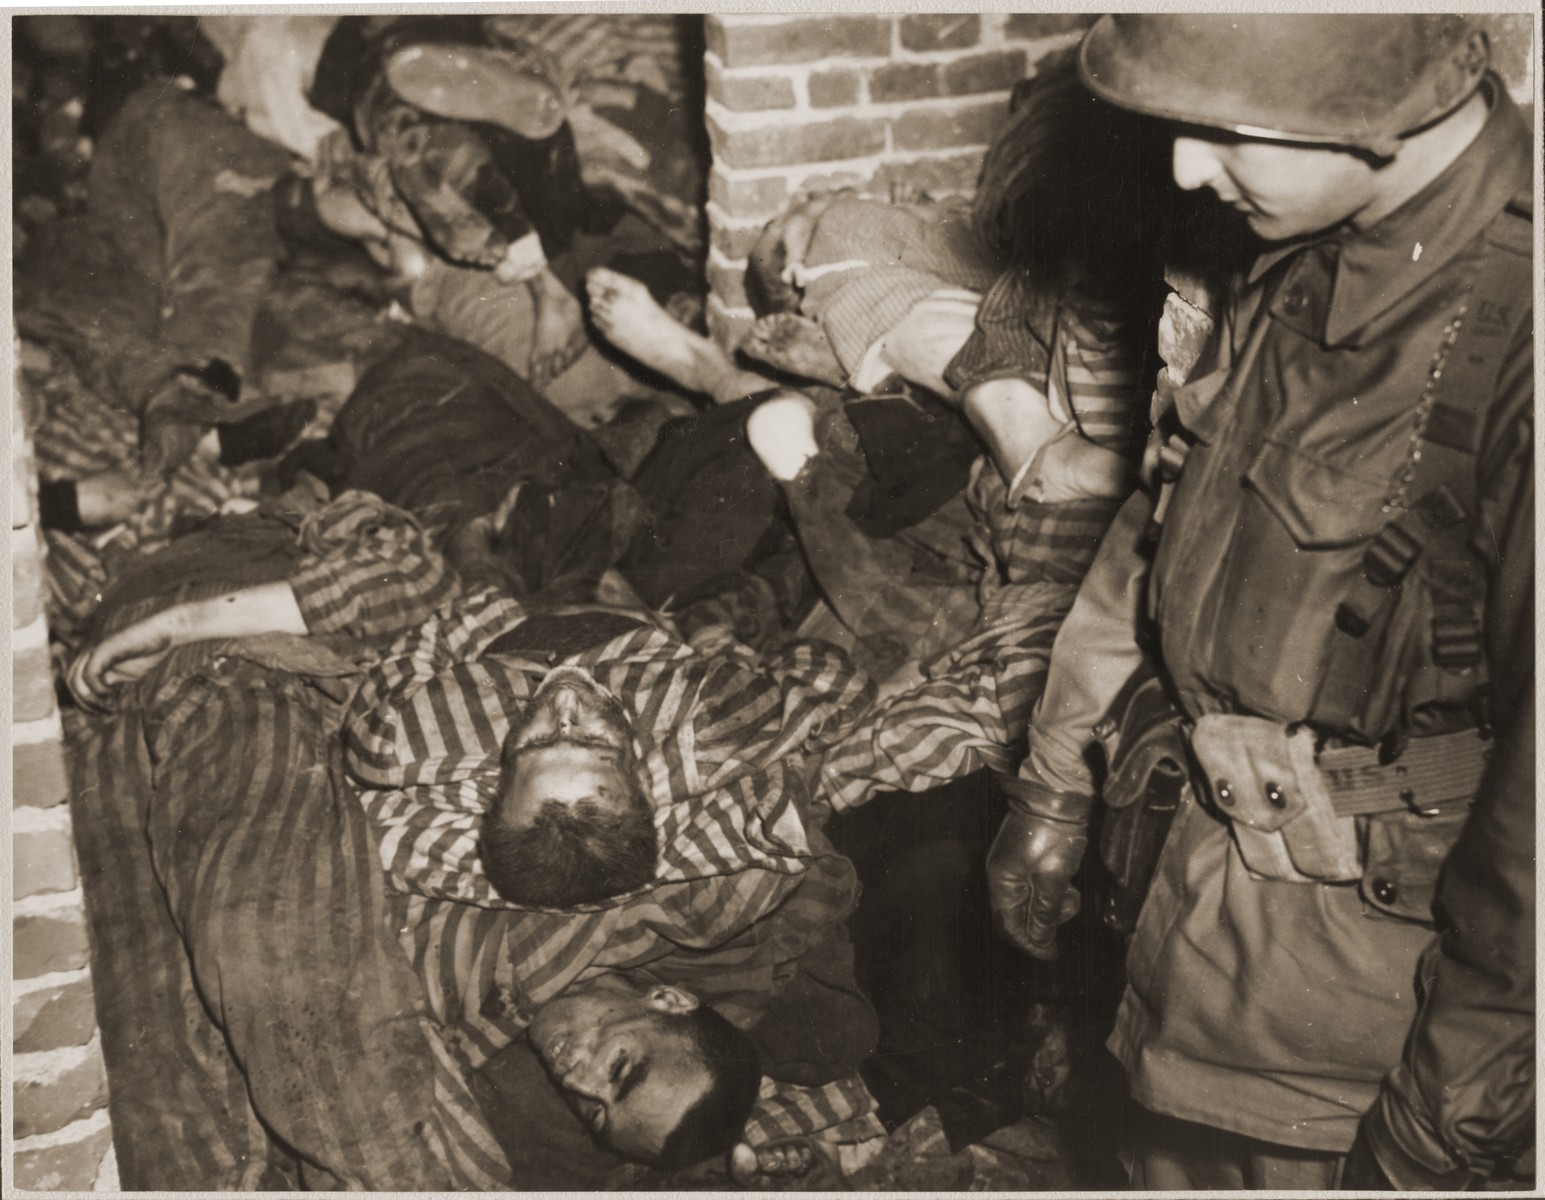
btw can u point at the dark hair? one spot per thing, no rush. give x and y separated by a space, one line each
716 1122
1069 178
568 855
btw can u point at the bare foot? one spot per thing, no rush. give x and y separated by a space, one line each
558 334
795 344
634 322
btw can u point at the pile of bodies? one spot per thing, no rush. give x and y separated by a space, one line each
472 672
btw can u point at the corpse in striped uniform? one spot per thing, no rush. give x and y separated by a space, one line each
241 923
264 1028
745 883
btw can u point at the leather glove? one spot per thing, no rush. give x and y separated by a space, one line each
1031 864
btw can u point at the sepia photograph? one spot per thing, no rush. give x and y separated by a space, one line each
617 598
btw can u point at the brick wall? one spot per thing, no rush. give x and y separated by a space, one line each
862 100
59 1087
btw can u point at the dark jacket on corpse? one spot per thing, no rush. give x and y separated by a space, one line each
444 430
164 273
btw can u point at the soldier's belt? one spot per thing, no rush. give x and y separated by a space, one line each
1432 770
1292 809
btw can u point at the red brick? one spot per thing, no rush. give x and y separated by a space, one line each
750 93
32 684
994 72
763 196
798 40
42 860
61 1015
1040 25
788 145
903 81
834 89
73 1095
728 282
68 1167
726 327
941 129
38 775
940 31
43 943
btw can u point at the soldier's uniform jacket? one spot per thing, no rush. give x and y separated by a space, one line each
1275 1008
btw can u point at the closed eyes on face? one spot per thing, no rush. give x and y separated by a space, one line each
624 1074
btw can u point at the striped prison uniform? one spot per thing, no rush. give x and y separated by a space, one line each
262 711
79 434
264 1029
744 885
624 79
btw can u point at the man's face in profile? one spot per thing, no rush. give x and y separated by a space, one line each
624 1060
573 743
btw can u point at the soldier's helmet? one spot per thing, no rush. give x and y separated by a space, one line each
1358 80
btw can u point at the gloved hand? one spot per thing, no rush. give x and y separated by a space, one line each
1031 864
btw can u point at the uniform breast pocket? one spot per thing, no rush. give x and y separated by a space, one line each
1322 507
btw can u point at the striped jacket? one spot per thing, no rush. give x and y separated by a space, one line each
744 885
720 738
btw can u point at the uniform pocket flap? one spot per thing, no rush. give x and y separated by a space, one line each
1405 853
1250 769
1319 505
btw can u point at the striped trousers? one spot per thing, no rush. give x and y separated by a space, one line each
261 1025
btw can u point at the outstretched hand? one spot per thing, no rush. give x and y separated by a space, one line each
125 657
794 1164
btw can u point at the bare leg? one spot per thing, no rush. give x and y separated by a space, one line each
1013 419
634 322
782 433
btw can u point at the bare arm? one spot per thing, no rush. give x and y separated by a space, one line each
131 653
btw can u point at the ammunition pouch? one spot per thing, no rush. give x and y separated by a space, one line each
1341 815
1297 813
1145 745
1263 777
